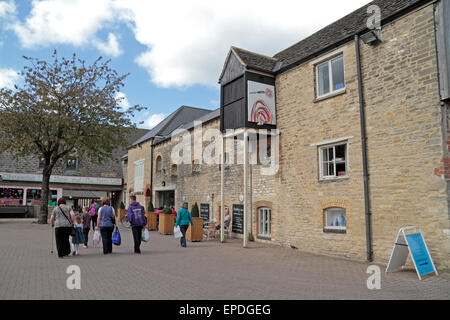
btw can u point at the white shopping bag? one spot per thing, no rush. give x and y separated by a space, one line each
177 232
96 238
145 235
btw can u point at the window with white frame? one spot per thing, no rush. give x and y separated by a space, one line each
71 164
330 77
333 161
139 176
335 219
264 222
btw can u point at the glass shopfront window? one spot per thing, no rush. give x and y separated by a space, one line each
34 197
11 196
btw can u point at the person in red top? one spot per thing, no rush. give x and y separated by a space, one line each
174 213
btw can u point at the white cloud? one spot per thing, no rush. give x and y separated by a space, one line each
7 8
60 21
111 48
187 41
123 101
153 120
8 77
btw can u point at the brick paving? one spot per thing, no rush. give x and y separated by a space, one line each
202 271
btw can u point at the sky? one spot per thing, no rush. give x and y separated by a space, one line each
173 50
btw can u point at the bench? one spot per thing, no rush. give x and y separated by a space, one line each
13 212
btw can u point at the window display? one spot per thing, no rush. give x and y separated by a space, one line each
11 197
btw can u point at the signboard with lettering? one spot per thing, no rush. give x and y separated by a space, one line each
61 179
238 218
204 212
414 244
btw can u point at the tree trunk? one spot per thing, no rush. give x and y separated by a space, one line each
43 212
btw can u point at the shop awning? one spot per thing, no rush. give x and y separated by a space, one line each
83 194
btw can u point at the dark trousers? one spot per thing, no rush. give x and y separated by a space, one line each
137 237
62 235
94 221
106 233
86 234
183 230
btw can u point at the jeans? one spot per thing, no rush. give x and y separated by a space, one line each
86 234
183 230
106 233
62 235
137 237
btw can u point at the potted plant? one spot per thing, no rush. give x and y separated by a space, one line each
151 217
166 221
195 233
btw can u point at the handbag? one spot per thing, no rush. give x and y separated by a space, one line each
73 231
116 239
145 235
177 232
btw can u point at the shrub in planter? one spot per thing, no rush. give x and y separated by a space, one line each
195 233
166 221
251 237
151 217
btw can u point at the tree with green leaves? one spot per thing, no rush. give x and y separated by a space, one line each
64 108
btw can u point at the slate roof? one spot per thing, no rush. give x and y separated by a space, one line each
255 60
179 117
343 30
333 35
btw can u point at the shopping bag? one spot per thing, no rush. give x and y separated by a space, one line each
145 235
96 238
116 239
177 232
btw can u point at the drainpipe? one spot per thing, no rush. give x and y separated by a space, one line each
151 172
364 154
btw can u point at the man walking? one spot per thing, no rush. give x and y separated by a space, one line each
183 219
136 218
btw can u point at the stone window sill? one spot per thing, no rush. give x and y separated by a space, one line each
331 95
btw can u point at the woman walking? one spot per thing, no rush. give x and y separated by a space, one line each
63 220
86 225
183 219
106 222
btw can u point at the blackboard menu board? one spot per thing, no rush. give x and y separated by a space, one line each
238 218
204 212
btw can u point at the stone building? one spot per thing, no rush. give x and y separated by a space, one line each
78 181
138 160
362 111
362 115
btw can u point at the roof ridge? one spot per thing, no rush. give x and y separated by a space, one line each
255 53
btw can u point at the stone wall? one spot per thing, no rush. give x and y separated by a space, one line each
142 152
205 186
404 147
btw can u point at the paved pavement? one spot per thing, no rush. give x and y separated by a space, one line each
202 271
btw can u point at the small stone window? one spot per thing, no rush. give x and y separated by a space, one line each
71 164
158 164
264 218
196 166
335 220
174 170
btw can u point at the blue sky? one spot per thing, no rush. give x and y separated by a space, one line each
173 50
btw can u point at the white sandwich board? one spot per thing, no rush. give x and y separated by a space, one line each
410 241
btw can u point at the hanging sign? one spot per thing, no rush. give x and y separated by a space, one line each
411 243
261 103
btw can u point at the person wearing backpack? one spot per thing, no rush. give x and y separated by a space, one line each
93 212
136 218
